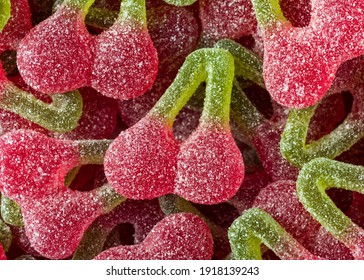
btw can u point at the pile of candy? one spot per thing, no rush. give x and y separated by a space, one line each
181 129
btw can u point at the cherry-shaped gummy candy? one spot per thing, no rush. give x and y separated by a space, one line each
181 236
56 55
126 61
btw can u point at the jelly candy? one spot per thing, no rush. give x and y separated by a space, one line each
180 236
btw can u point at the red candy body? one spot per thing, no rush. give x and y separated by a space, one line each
141 162
56 56
210 166
182 236
126 62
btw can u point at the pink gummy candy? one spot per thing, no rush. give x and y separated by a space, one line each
279 199
33 165
227 19
182 236
33 170
174 32
56 56
98 120
298 12
55 224
142 214
141 162
126 62
311 55
17 26
2 253
210 166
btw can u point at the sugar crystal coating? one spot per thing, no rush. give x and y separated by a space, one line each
33 165
56 55
126 62
210 166
181 236
17 27
141 161
227 19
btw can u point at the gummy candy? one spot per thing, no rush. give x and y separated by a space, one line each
311 55
126 60
56 55
40 192
180 236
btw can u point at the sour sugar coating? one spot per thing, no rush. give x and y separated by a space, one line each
98 119
126 61
181 236
61 115
314 179
293 142
143 215
311 55
18 24
279 199
226 19
54 216
56 56
210 167
255 227
174 32
142 161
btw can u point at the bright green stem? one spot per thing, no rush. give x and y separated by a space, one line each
61 115
101 18
216 67
82 5
247 64
11 212
293 142
5 13
5 235
180 2
268 12
254 227
133 11
92 151
314 179
172 204
244 114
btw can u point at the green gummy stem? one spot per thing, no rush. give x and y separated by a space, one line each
180 2
82 5
5 235
247 64
133 11
314 179
61 115
293 142
91 151
268 12
216 67
254 227
5 13
11 212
